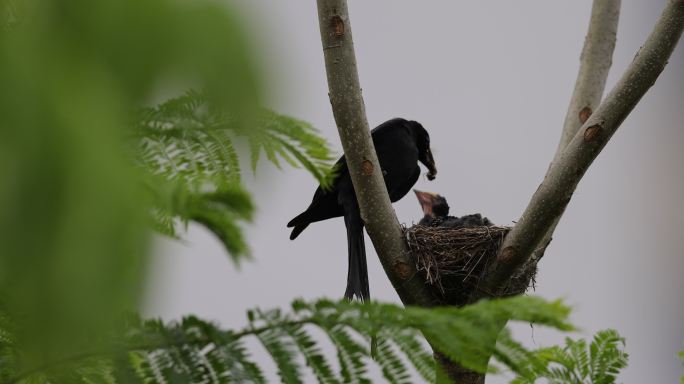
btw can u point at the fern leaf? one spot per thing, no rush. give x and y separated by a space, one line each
197 351
578 349
222 354
224 150
415 352
283 353
96 371
598 363
393 368
163 222
312 354
350 355
606 357
187 143
521 361
278 344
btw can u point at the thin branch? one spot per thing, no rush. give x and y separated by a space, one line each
555 192
350 115
595 62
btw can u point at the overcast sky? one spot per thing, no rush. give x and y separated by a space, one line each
491 81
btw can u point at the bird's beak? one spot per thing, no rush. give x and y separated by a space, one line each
426 200
429 162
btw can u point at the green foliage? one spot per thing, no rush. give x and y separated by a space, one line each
189 144
681 356
8 15
197 351
73 206
72 211
596 363
189 139
293 140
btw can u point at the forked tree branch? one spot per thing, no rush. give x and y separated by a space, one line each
595 62
350 115
554 193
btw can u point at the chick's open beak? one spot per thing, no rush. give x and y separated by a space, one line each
426 200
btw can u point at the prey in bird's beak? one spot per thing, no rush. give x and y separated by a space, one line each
429 162
427 201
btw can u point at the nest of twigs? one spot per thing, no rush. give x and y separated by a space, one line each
454 260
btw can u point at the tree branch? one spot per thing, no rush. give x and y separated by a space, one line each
555 192
350 115
595 62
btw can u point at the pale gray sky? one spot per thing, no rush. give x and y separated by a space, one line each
491 81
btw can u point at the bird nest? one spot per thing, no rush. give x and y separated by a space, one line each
454 260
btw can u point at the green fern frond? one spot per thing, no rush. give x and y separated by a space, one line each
296 141
187 138
393 368
597 363
194 350
312 354
350 354
221 210
283 353
163 222
522 361
278 344
607 359
188 147
94 371
415 353
579 351
177 140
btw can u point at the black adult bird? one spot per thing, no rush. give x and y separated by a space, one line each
436 213
400 144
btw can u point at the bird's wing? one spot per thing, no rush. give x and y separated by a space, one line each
399 191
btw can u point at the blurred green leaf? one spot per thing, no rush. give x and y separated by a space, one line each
73 222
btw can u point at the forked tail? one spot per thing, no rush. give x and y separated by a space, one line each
357 273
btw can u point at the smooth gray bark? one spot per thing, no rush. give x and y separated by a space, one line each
595 62
350 115
555 192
